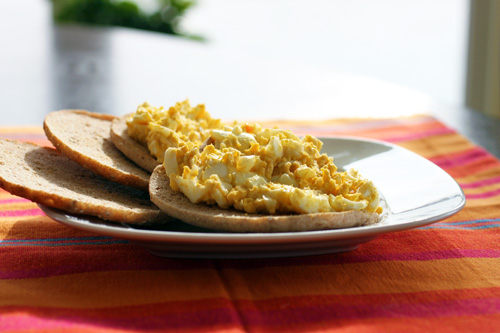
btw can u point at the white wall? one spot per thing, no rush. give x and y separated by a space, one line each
420 44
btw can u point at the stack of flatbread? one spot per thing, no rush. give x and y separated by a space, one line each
97 169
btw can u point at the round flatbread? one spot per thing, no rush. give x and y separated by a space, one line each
85 138
129 147
178 205
45 176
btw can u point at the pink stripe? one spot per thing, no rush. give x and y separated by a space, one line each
420 135
25 212
483 195
249 313
25 322
480 183
469 156
15 200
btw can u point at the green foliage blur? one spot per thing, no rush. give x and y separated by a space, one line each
164 18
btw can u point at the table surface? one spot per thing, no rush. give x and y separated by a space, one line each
113 70
441 277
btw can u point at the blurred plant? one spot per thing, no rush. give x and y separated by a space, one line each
165 16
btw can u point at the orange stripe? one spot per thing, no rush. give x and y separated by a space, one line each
385 277
438 145
143 287
112 289
482 189
269 313
480 175
36 227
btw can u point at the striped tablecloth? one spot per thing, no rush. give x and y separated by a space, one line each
441 277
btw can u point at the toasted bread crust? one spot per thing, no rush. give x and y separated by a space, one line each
45 176
177 205
85 138
129 147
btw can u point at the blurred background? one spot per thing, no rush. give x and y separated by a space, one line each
421 44
447 50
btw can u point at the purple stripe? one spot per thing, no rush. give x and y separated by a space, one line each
483 195
459 160
483 182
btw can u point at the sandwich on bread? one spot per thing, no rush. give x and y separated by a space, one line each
102 170
178 206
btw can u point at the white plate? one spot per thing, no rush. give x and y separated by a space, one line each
416 193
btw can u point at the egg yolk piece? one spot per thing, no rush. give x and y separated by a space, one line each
269 171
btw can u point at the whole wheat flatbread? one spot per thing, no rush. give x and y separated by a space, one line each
129 147
178 205
45 176
85 138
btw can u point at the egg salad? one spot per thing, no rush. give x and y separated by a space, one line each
161 128
247 167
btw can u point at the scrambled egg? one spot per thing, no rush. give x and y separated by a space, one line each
245 166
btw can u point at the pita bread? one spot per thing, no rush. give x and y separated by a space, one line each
45 176
129 147
85 138
178 205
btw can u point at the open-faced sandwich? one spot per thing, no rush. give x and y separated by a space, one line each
245 178
237 178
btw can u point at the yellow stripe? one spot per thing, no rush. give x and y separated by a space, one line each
22 130
37 227
117 288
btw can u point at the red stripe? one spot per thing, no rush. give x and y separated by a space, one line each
207 314
480 183
460 159
60 265
473 167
